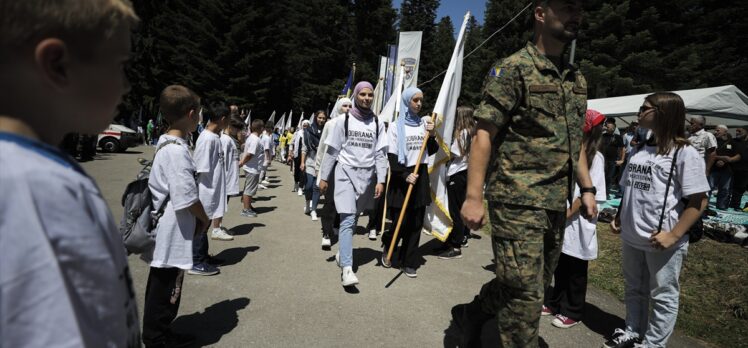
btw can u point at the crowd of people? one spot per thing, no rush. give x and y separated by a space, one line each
531 150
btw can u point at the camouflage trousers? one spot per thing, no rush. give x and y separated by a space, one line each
526 244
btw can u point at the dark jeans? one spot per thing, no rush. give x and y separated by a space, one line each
570 287
722 181
456 191
200 248
162 297
739 185
311 190
410 234
610 173
299 176
329 217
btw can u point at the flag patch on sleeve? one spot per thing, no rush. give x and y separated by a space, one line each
497 72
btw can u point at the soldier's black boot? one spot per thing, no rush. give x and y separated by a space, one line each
469 319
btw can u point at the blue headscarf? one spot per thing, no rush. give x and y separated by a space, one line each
408 117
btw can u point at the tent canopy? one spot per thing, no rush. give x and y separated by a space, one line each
726 105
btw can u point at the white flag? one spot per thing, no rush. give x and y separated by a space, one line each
409 54
271 120
282 122
392 109
248 120
437 214
298 126
290 118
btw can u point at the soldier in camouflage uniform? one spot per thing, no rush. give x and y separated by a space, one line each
530 130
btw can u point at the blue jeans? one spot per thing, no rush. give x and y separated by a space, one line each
722 181
652 277
311 190
345 242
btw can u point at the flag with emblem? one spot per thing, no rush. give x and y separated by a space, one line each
438 220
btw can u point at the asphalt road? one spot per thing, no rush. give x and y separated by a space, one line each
279 289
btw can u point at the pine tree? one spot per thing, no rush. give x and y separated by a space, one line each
419 15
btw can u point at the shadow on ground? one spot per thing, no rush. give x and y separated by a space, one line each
214 322
489 334
603 323
260 210
235 255
262 198
244 229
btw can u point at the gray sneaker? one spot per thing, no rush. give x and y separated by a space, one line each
248 213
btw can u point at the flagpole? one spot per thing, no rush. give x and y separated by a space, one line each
399 88
354 73
384 209
407 196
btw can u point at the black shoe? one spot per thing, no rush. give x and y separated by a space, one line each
622 339
468 320
385 263
410 272
451 254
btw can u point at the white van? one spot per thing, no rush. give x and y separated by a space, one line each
117 138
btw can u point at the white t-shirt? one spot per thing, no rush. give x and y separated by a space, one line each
64 278
359 148
643 182
459 162
414 138
211 176
252 147
702 141
580 237
173 175
267 145
231 164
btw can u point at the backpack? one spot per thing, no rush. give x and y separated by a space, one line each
140 218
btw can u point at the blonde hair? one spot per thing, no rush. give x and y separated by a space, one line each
669 121
77 22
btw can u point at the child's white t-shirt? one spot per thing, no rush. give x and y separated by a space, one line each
414 138
231 164
359 148
64 276
643 182
211 178
459 160
580 236
267 145
173 175
252 146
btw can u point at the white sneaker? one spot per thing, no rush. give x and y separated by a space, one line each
326 242
262 187
265 182
373 234
349 278
218 234
314 215
337 258
300 192
227 231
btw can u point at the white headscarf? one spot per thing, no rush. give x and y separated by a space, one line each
336 110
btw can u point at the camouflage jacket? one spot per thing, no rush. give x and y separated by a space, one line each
539 113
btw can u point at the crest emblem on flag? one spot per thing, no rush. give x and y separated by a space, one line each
410 67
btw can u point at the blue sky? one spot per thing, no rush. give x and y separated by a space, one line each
456 9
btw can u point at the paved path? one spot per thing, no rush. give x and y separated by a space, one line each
279 289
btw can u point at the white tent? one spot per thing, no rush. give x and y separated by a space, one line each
721 105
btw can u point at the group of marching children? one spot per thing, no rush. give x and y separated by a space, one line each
349 157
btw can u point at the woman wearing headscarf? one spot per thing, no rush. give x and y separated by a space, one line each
298 174
308 154
330 218
356 150
405 138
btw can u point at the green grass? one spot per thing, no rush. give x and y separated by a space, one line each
714 287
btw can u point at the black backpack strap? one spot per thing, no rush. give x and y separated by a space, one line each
667 188
161 209
376 125
345 126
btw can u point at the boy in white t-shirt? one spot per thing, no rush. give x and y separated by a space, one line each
230 145
251 164
64 278
266 140
211 183
172 180
566 301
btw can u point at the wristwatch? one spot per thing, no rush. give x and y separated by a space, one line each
592 190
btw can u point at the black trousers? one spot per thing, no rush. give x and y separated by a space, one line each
456 192
410 234
375 219
739 185
298 175
162 295
570 287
